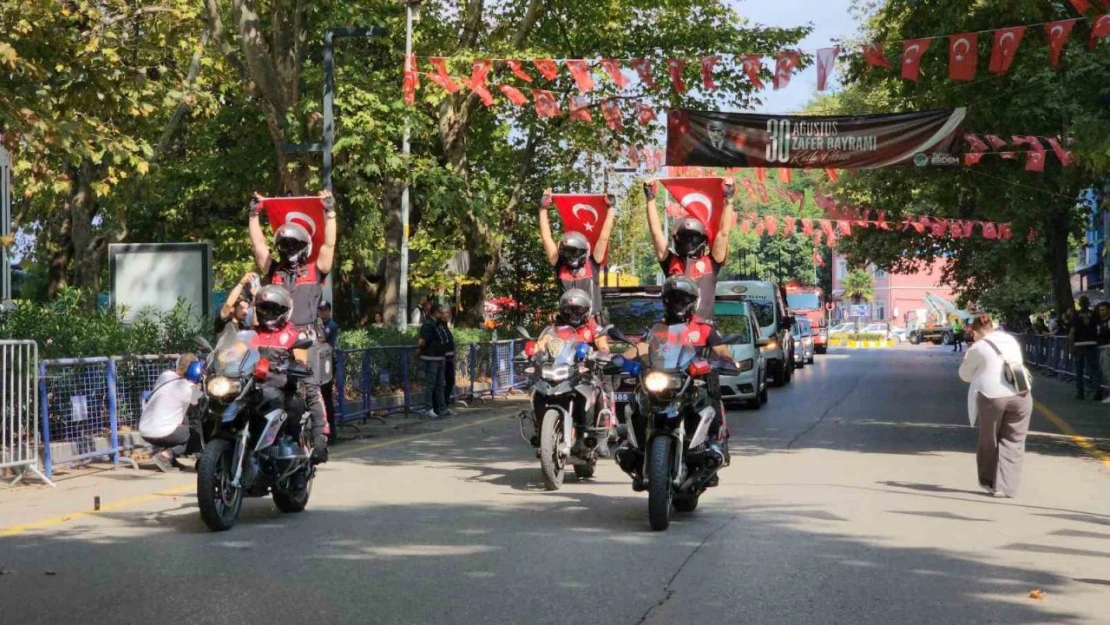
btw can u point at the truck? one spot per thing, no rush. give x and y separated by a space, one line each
937 326
809 302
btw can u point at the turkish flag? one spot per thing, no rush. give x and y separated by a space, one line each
940 226
963 56
643 70
703 198
1005 231
707 63
307 212
799 197
634 156
786 175
990 230
1099 30
748 187
807 227
752 63
1057 33
1065 156
441 77
1006 42
1081 5
579 110
844 226
998 143
916 225
612 112
967 228
613 68
785 65
519 71
833 176
580 71
546 104
411 81
789 226
477 82
761 174
763 195
978 148
647 113
818 259
1034 158
745 226
882 223
676 67
582 213
826 58
514 95
771 225
912 51
547 67
875 57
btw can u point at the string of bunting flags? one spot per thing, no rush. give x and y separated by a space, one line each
963 52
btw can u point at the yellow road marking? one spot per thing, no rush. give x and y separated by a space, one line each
1084 442
181 490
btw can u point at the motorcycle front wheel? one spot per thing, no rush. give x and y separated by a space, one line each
552 463
218 500
660 490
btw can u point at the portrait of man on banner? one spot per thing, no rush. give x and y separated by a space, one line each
712 143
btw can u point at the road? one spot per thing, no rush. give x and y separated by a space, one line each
851 498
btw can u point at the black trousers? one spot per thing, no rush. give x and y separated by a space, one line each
183 440
449 380
327 392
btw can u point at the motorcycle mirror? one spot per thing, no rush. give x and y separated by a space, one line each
303 343
731 339
523 333
604 330
617 335
202 343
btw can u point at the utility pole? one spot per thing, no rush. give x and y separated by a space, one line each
5 229
412 13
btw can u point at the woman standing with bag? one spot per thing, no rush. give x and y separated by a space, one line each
1001 398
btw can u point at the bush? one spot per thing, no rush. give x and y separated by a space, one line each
72 327
361 338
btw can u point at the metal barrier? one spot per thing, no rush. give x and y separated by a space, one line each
136 377
1052 356
19 423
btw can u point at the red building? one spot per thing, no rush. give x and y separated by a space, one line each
896 295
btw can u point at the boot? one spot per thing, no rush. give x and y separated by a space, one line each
320 450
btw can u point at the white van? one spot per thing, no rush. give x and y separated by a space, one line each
769 302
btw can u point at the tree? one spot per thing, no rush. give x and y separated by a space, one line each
1031 98
858 287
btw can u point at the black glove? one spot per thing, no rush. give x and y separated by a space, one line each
730 190
255 206
649 191
329 203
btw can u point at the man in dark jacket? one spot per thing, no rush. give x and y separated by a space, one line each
432 352
1083 338
448 360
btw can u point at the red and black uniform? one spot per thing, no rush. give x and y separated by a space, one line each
698 333
587 332
703 271
587 277
277 347
306 284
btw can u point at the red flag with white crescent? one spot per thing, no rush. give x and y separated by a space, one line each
579 109
912 52
963 56
707 64
519 71
990 230
978 148
748 187
703 198
583 213
612 113
1065 156
1034 158
826 58
307 212
789 226
546 104
1057 33
1005 231
875 57
676 67
998 143
752 63
613 68
647 114
513 94
1081 5
547 67
411 81
807 227
477 82
785 65
1006 42
441 77
580 71
1099 30
771 224
643 70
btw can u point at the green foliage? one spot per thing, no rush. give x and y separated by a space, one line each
361 338
69 327
858 286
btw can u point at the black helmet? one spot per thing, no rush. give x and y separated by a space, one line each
272 306
690 238
293 243
574 307
680 299
573 249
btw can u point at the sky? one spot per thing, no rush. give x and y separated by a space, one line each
830 21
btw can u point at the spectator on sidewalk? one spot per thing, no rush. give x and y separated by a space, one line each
379 320
420 314
234 311
1002 411
957 335
448 359
1102 337
432 351
1083 339
163 422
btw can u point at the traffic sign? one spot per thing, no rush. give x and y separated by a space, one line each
829 306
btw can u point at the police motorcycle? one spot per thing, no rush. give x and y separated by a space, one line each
572 413
252 446
668 450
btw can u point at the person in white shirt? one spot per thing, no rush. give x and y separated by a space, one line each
1002 412
163 423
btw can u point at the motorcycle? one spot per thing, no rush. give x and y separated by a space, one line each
667 449
251 446
573 415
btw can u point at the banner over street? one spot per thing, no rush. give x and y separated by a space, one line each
718 139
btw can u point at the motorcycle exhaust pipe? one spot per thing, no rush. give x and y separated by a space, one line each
627 459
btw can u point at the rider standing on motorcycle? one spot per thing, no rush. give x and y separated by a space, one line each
691 255
574 316
680 300
305 282
575 266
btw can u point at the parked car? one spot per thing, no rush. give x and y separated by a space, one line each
881 328
750 385
842 328
804 348
769 301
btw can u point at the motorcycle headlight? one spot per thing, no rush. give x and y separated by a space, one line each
220 386
771 346
657 382
556 374
745 365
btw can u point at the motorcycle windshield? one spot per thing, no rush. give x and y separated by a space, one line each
233 356
559 346
670 348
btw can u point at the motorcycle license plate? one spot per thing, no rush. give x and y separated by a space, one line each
622 398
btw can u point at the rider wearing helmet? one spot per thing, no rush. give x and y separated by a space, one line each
574 319
691 252
303 271
576 265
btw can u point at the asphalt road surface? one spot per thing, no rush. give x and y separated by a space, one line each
852 498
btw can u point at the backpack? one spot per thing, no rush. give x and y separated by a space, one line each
1015 372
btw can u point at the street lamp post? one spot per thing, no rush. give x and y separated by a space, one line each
5 229
412 13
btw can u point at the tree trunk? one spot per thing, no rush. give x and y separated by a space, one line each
389 291
1059 255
